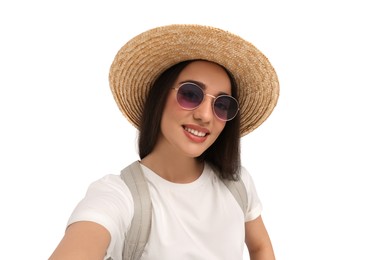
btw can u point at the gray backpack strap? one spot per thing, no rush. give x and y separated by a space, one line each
237 188
138 234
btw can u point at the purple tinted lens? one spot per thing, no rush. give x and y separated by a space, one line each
225 107
189 96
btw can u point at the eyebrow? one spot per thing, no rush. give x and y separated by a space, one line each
202 85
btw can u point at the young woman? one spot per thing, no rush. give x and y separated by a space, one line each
191 91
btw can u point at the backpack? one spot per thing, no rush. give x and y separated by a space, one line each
138 234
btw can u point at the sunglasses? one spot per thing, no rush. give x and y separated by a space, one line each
189 96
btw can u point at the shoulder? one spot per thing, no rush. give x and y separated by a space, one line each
108 193
254 204
109 188
110 184
246 178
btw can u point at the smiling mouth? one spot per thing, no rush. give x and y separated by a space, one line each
195 132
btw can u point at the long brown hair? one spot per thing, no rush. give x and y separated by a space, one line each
223 155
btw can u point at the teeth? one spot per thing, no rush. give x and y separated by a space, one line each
195 132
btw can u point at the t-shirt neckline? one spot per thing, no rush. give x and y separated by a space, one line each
157 179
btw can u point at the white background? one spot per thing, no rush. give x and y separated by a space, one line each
320 162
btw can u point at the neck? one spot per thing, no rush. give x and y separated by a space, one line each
173 166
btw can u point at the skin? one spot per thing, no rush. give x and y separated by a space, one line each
88 240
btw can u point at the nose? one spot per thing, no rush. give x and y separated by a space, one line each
205 111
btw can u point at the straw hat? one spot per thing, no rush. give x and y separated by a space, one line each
142 59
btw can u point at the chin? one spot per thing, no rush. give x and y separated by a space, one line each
198 154
194 154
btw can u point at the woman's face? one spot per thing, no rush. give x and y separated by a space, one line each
191 132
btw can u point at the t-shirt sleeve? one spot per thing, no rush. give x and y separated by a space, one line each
254 204
108 202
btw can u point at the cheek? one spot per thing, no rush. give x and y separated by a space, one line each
172 104
171 108
219 126
172 114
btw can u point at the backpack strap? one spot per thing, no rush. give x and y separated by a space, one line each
238 190
138 233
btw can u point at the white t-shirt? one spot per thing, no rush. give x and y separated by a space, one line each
198 220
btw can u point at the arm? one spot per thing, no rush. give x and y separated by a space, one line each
257 240
83 240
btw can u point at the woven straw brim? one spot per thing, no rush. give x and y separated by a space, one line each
142 59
